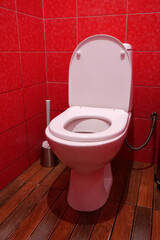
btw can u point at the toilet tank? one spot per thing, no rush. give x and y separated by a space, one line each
100 74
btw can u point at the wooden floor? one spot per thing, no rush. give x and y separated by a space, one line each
34 206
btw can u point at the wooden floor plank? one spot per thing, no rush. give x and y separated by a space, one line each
156 225
14 201
119 181
40 175
21 212
53 175
53 216
28 173
9 191
104 225
142 224
63 181
156 195
66 225
131 189
145 197
85 225
34 218
123 224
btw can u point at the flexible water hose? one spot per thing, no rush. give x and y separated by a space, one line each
154 117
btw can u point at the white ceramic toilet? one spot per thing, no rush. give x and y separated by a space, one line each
88 135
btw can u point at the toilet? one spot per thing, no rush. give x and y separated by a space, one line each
89 134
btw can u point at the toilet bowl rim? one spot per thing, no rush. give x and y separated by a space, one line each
57 125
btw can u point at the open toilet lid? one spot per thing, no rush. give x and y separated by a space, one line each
100 74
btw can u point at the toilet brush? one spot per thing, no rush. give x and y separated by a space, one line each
48 158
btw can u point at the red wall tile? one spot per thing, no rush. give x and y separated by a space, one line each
58 66
35 154
36 131
143 32
60 34
30 7
55 114
13 144
10 73
34 99
143 6
11 109
139 130
8 4
13 171
8 31
103 7
33 68
59 8
146 101
58 94
144 155
146 70
31 33
111 25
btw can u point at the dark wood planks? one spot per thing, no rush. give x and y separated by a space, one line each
156 196
34 206
156 225
85 225
119 180
33 169
33 219
131 189
63 181
9 191
145 197
21 212
104 224
123 224
66 225
53 216
142 224
53 175
13 202
40 175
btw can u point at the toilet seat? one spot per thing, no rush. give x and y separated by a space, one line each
116 119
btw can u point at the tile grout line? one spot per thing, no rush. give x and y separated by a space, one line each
45 48
77 20
28 120
103 15
18 12
20 57
126 22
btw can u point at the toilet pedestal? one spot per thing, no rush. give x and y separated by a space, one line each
88 192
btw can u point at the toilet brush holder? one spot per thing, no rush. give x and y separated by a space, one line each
48 158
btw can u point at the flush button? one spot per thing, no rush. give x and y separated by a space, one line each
122 54
78 54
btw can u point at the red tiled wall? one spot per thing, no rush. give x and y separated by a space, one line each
134 21
22 86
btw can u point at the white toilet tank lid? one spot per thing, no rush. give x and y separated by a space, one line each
100 74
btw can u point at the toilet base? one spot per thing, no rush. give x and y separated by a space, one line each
88 192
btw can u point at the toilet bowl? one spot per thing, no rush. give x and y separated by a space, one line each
89 134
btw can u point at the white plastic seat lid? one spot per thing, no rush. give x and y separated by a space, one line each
110 124
100 74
